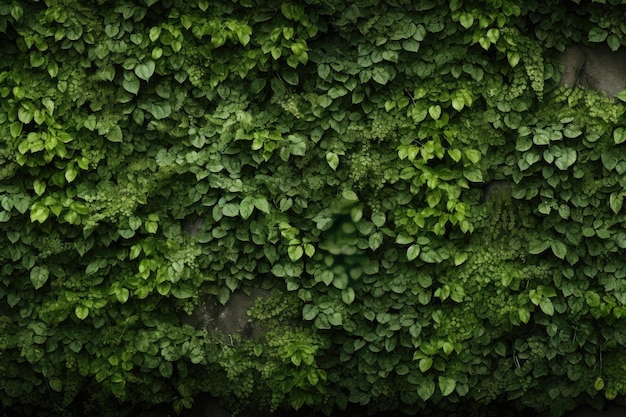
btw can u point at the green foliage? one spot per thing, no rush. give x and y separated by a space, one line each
163 152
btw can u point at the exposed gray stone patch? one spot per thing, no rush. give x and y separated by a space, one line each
597 68
231 318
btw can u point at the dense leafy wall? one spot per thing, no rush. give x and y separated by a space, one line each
157 153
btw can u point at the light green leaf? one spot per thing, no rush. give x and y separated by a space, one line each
295 252
333 160
347 295
246 207
425 364
375 240
39 276
262 204
378 219
538 246
566 159
114 134
559 249
412 252
524 315
546 306
446 385
435 112
145 70
473 155
619 135
426 389
81 312
616 200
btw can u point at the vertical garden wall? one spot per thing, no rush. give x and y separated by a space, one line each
437 220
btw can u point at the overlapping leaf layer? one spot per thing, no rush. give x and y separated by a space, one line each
441 223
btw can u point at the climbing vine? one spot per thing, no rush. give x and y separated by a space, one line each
438 219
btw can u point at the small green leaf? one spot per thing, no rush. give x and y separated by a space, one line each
333 160
378 219
39 276
39 187
435 112
473 155
619 135
81 312
616 200
425 364
295 252
524 315
114 134
349 195
262 204
131 83
598 384
375 240
347 295
559 249
246 207
426 389
412 252
538 246
446 385
546 306
566 159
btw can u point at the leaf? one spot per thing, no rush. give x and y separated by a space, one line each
524 315
546 306
246 207
538 246
473 155
39 276
412 252
347 295
616 200
426 389
378 219
131 83
621 95
446 385
145 70
295 252
566 159
435 112
619 135
425 364
333 160
81 312
609 159
375 240
559 249
262 204
114 134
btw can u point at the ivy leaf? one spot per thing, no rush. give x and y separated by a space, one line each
145 70
412 252
81 312
619 135
295 252
616 200
524 315
566 159
347 295
375 240
246 207
559 249
546 306
426 389
621 95
262 204
333 160
446 385
114 134
131 83
538 246
39 276
425 364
